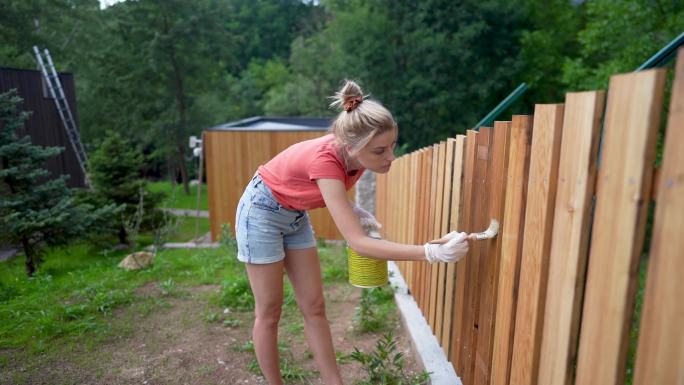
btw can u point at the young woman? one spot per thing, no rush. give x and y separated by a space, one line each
274 232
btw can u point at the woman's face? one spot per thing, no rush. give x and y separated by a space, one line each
378 154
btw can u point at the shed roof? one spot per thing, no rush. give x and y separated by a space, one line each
275 123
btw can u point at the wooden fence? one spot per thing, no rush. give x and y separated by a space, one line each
551 299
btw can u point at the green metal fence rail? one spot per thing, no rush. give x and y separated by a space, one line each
487 120
660 59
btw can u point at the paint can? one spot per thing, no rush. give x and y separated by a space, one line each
366 272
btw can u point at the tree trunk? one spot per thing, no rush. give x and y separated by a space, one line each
30 261
183 168
123 237
182 109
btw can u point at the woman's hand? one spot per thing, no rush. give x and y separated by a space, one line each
450 248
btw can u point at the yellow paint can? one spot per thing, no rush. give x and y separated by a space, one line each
366 272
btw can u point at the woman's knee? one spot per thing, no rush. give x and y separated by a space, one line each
268 313
313 307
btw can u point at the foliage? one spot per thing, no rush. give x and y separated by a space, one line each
374 310
171 68
237 294
385 365
36 212
158 71
115 175
549 34
414 57
617 37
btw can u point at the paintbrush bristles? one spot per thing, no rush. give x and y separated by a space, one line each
490 233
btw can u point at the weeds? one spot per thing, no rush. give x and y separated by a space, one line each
132 225
374 310
236 294
288 370
168 287
385 365
232 322
211 317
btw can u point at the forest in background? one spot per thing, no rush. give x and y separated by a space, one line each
158 71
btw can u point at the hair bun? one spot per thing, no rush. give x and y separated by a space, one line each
348 97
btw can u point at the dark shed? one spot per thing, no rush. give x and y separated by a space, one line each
44 126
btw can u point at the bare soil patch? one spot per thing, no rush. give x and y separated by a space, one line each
183 339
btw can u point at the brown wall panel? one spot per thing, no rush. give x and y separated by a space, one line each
232 158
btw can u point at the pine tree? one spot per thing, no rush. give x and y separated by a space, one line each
115 174
35 212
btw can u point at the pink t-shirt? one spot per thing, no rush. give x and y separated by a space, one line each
291 175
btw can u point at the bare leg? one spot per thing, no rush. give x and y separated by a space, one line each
267 286
304 270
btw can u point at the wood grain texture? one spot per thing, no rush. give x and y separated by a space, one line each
455 207
421 217
511 234
439 202
570 240
541 197
622 196
232 157
497 173
661 341
478 221
446 211
425 271
414 209
457 344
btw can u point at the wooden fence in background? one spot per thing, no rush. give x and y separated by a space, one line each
551 299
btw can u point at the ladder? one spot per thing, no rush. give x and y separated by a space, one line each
57 93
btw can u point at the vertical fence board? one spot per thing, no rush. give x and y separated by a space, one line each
570 240
661 341
622 197
511 246
413 207
417 266
410 208
489 264
425 271
541 196
478 218
437 228
454 183
457 343
420 219
446 211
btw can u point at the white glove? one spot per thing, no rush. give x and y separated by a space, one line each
450 248
367 220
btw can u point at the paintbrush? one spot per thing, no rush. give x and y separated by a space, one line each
490 233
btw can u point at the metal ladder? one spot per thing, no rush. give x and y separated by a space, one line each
57 93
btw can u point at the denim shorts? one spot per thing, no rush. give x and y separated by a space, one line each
265 229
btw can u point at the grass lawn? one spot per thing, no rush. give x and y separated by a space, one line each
184 229
176 197
186 319
77 289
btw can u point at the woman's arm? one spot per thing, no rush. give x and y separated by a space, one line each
347 222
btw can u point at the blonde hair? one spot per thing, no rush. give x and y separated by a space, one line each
361 118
